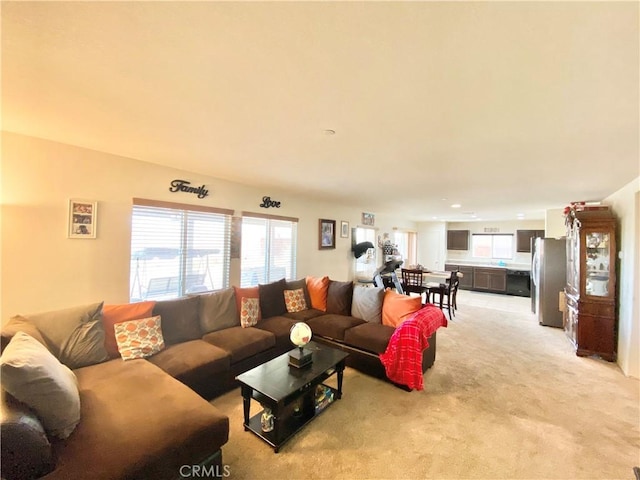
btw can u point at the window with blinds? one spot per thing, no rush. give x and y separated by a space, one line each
268 249
178 249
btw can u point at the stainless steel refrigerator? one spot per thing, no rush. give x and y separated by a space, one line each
548 278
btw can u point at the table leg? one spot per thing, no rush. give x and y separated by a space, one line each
340 374
276 429
246 403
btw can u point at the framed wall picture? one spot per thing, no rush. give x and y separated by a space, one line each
344 229
83 217
327 231
368 219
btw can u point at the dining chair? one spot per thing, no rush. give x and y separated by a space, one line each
447 294
413 282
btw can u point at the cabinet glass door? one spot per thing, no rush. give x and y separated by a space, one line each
598 263
573 263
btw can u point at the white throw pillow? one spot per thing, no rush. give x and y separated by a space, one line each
367 303
35 377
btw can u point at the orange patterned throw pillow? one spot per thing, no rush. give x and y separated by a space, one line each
294 300
139 338
113 314
249 312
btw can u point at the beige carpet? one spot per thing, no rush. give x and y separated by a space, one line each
506 398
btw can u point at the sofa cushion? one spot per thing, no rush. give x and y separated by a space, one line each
249 292
139 338
137 422
240 342
333 326
180 319
373 337
367 303
396 307
281 329
272 298
294 300
318 288
20 324
339 297
218 310
193 362
113 314
74 335
304 315
34 376
301 283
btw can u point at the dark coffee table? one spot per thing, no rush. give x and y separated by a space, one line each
295 396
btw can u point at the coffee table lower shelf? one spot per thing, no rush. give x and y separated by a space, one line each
288 426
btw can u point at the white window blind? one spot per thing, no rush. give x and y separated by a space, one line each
178 249
268 248
492 246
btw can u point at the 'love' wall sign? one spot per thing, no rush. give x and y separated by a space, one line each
183 186
267 202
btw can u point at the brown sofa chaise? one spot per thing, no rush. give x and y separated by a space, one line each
147 418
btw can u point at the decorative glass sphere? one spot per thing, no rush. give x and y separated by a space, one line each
300 334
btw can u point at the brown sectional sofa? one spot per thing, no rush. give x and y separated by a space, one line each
143 419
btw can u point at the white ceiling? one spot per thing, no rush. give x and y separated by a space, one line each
503 107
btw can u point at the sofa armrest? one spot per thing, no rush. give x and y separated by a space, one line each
25 449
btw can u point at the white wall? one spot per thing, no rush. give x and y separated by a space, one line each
42 269
432 244
625 203
554 224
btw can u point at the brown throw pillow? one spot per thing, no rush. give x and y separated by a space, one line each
218 311
272 299
20 324
180 319
74 335
339 297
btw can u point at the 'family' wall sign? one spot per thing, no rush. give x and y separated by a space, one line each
183 186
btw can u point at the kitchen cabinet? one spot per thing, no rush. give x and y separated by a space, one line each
457 239
490 279
466 281
523 239
591 323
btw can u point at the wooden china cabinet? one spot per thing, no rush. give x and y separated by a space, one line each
590 321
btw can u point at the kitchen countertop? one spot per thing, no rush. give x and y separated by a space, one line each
510 266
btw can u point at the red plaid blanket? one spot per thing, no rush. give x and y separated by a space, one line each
403 358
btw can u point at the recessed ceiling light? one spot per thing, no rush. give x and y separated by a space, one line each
456 205
520 215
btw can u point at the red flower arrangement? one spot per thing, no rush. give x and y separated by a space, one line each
570 211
